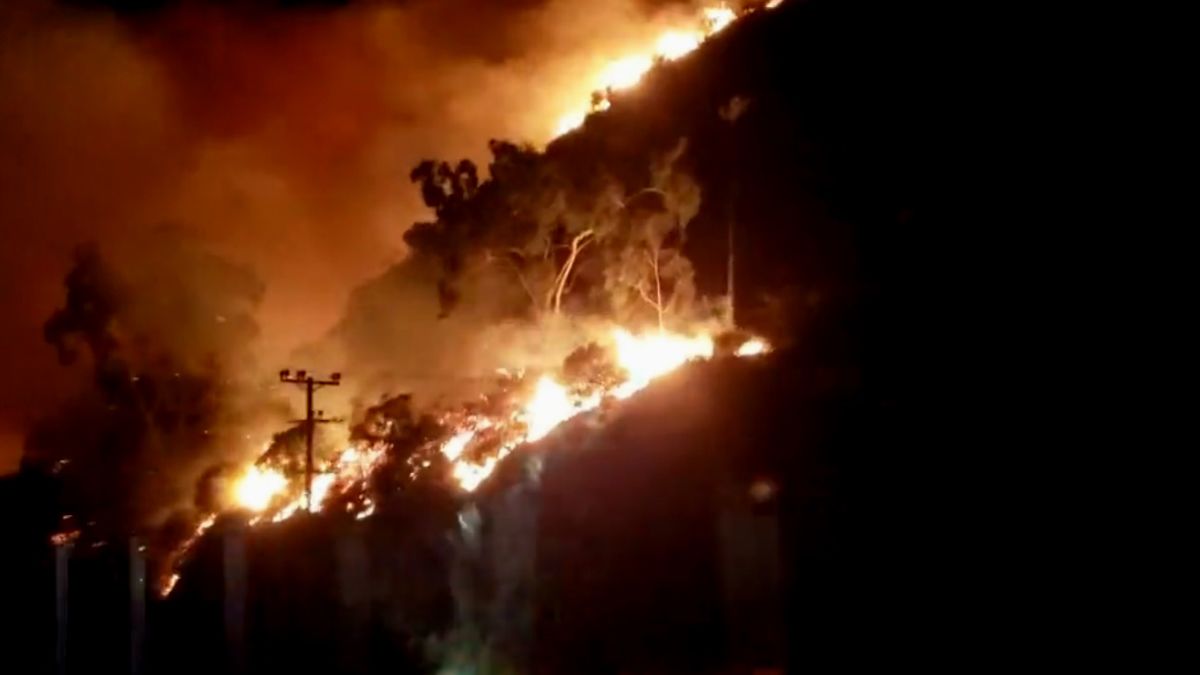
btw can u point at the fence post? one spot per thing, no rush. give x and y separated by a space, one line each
137 603
62 561
234 577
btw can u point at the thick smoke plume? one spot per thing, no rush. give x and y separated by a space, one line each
280 133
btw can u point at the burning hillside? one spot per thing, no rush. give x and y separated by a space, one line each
562 286
461 446
586 264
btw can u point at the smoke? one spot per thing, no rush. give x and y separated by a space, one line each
280 134
164 329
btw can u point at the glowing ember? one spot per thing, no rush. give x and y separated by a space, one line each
366 512
63 538
169 584
753 347
258 487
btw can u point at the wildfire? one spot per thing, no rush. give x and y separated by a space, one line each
626 71
268 493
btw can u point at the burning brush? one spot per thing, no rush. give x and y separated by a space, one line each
464 444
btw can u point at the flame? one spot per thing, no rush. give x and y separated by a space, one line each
716 19
675 44
649 357
258 487
454 447
550 406
320 489
642 357
168 584
549 403
625 72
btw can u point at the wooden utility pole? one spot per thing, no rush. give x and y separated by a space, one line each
310 385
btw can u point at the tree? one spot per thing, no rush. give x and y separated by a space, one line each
166 335
557 231
525 216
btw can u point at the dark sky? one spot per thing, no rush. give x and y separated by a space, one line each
279 135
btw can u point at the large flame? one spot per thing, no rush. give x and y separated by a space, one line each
258 487
626 71
648 357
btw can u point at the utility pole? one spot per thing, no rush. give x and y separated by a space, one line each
729 265
310 385
730 112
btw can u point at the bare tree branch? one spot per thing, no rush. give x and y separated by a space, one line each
580 241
